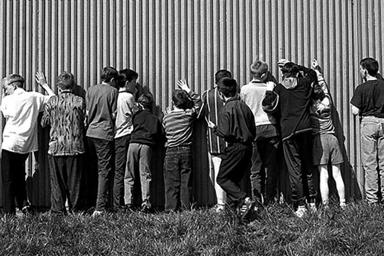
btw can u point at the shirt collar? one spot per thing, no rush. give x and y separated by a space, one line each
19 91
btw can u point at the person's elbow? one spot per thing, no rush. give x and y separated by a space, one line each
355 110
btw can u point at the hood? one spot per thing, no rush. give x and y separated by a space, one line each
289 82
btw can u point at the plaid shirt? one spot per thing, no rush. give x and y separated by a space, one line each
65 114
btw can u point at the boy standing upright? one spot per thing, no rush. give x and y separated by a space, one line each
213 103
147 132
264 170
65 115
126 107
237 127
101 113
294 94
178 126
368 103
20 110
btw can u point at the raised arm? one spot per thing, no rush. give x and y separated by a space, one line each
42 81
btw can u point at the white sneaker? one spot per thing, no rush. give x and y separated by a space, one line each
96 213
219 208
312 207
301 211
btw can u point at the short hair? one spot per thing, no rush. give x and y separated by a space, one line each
181 99
109 73
65 81
15 79
227 86
221 74
371 65
258 68
290 69
145 100
128 74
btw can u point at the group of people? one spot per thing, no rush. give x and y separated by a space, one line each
248 127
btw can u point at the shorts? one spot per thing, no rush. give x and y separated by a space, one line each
326 149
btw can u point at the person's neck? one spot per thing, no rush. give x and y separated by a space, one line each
370 78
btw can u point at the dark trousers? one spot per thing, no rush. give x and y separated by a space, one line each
105 165
265 168
235 162
66 173
298 157
121 150
13 176
177 181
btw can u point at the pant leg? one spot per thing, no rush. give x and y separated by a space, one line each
220 194
8 178
380 155
21 186
131 170
74 169
257 171
104 151
121 149
58 183
145 156
271 165
293 162
185 178
171 179
369 149
235 161
305 149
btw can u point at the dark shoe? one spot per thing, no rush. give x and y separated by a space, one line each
146 208
246 210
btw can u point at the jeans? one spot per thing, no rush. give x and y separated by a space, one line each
214 166
235 162
138 167
65 174
13 176
264 170
177 177
105 164
372 156
297 154
121 150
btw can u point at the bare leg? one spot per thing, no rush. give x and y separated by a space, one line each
324 189
339 183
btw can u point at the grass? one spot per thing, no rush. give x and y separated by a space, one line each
359 230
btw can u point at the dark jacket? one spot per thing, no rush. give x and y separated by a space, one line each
147 128
294 98
237 124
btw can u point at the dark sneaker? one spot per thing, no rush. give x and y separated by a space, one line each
246 210
146 207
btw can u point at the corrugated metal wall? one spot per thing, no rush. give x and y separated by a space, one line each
165 40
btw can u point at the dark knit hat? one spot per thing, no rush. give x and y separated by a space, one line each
227 86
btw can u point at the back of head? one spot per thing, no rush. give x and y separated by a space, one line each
146 101
65 81
127 75
15 79
108 74
221 74
371 65
290 69
228 87
258 69
181 99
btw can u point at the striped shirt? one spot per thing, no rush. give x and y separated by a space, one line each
178 124
212 106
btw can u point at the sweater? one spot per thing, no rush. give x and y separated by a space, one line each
147 128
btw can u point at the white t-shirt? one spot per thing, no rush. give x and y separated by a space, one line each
126 106
21 110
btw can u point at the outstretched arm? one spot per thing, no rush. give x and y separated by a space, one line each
42 81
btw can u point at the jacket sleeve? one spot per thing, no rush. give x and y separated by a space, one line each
270 103
309 74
